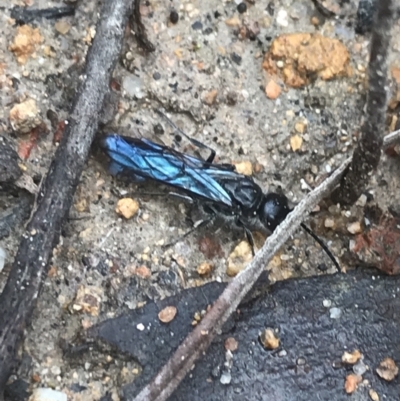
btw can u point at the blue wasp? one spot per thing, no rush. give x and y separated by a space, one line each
217 189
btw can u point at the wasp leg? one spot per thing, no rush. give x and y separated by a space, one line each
199 224
186 198
195 142
250 239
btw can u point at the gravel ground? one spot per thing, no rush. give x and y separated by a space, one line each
210 81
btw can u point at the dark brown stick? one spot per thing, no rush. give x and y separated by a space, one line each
55 196
368 151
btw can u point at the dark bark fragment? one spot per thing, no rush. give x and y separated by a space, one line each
368 151
306 366
25 15
139 29
9 168
16 215
56 193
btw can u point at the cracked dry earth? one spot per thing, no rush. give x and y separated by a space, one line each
231 80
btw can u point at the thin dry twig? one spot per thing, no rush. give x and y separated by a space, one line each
180 363
368 151
55 196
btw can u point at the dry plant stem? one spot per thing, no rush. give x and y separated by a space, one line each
55 196
162 386
368 151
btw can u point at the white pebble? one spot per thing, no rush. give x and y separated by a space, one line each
329 223
47 394
362 200
335 313
327 303
282 18
140 327
354 228
225 378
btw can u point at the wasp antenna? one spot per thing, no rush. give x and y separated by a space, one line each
323 245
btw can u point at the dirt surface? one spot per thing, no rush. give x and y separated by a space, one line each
206 73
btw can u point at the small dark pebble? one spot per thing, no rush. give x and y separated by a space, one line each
158 129
236 58
178 138
242 8
77 388
271 8
217 14
197 26
174 17
322 267
337 364
208 31
231 98
15 83
156 76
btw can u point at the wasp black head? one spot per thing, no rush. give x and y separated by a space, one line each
274 210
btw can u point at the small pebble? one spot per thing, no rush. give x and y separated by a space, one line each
167 314
210 97
242 8
360 368
142 271
238 258
225 378
387 369
236 58
373 395
362 200
350 358
329 223
62 26
327 303
140 326
204 269
354 228
245 168
233 22
295 142
231 344
158 129
24 116
335 313
272 90
127 207
300 127
282 18
156 76
231 98
47 394
174 17
352 382
269 340
197 26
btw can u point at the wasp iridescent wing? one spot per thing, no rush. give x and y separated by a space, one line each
148 160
